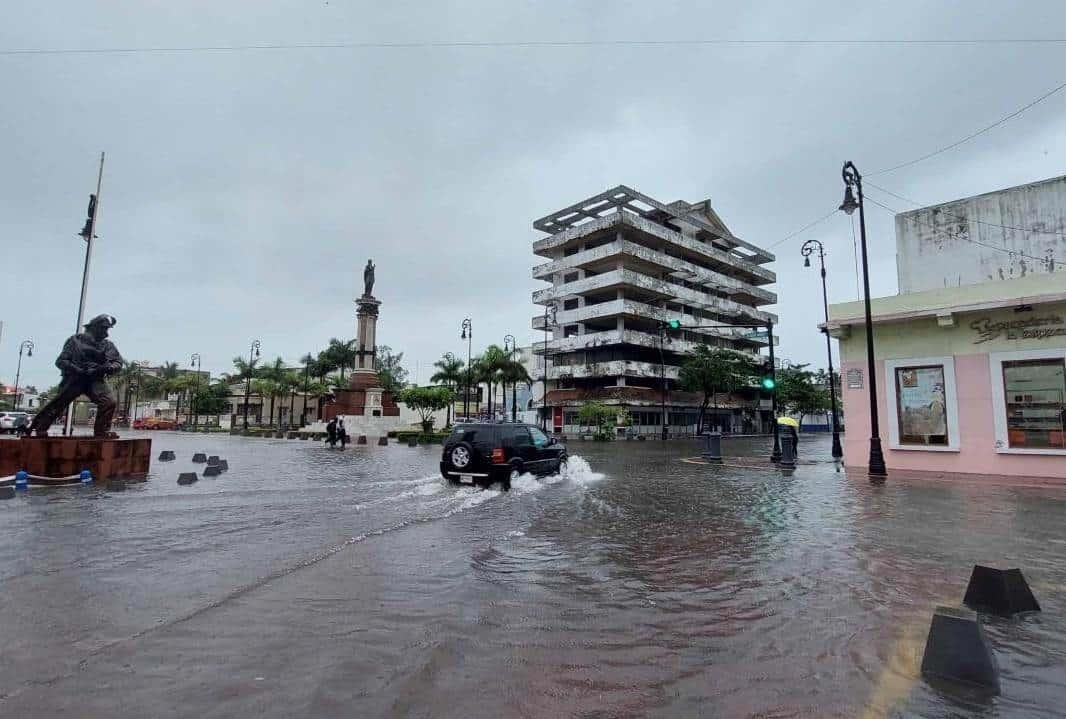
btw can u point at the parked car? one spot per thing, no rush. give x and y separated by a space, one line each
483 452
11 422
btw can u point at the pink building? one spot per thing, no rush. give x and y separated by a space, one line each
971 380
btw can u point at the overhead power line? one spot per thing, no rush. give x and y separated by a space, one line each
983 130
803 229
430 44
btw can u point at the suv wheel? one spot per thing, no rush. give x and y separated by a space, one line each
461 456
561 466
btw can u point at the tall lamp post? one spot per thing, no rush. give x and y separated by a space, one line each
253 353
551 313
308 359
662 380
26 346
509 341
808 249
852 178
195 364
468 335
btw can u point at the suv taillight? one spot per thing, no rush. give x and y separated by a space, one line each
497 456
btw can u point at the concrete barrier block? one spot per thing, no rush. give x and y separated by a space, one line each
383 441
7 492
167 455
116 485
223 465
212 470
1003 592
361 440
712 447
957 650
213 459
186 478
199 458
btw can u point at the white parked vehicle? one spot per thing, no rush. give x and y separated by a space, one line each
11 422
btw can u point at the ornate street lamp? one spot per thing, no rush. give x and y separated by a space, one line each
509 341
809 248
195 364
551 313
26 346
852 178
450 358
253 353
468 335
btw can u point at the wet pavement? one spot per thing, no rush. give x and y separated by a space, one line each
309 582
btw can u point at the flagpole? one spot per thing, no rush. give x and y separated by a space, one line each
68 429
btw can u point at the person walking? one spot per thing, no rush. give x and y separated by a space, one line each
331 433
342 433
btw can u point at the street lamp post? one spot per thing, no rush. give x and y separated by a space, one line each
468 335
509 340
307 377
253 352
195 363
26 346
450 358
852 178
662 381
552 312
807 249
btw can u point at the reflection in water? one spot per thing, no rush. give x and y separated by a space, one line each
359 583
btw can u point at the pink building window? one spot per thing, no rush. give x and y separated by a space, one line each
1035 403
921 405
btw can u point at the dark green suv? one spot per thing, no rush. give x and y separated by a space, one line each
483 453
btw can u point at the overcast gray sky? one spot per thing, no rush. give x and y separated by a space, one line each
244 191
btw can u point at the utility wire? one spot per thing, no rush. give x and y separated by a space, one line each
803 229
972 135
967 219
374 45
1046 261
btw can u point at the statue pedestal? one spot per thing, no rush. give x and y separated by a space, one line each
66 456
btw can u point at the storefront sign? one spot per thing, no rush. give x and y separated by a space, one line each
1030 328
854 377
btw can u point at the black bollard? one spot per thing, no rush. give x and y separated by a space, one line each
788 453
212 470
213 459
199 458
383 441
712 447
1003 592
412 441
361 440
223 465
957 650
167 455
187 478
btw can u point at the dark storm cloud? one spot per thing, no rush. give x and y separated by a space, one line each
244 190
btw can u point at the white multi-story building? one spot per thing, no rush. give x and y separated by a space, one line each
620 264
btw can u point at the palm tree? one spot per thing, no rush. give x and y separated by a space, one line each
340 354
493 362
169 370
318 389
513 373
181 385
450 374
292 382
127 376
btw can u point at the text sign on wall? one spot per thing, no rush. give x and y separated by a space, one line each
854 378
1029 328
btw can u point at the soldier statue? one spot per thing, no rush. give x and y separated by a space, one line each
86 360
368 279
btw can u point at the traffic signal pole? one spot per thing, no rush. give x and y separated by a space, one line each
775 454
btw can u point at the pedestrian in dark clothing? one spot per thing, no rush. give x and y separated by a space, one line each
331 433
342 434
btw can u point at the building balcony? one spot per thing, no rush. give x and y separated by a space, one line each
676 267
591 340
720 260
667 291
613 368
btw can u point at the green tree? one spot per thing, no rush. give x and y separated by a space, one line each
340 354
183 386
210 399
426 401
492 364
602 418
800 392
514 373
450 374
318 389
391 374
711 371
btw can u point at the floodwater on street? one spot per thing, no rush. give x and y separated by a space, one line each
319 583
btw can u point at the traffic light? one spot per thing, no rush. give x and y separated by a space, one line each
674 324
767 379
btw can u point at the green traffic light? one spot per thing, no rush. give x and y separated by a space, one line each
768 383
674 324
